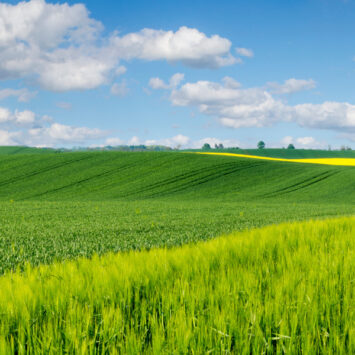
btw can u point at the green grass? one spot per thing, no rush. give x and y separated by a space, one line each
281 289
42 232
287 288
60 206
136 176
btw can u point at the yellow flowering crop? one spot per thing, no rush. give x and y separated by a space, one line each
324 161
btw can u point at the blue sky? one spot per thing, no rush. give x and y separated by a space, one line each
177 73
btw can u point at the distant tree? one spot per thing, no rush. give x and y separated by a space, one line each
261 145
345 147
291 146
206 146
220 146
216 146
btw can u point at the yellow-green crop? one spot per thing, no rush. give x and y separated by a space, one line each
281 289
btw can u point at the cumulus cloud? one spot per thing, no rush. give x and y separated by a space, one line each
291 86
63 48
230 83
245 52
54 42
303 142
5 115
187 45
6 138
60 133
23 95
113 141
237 107
18 117
134 141
119 89
75 69
64 105
212 141
27 128
175 80
176 141
120 70
25 117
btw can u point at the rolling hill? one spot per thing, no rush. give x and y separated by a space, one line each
64 205
271 290
134 176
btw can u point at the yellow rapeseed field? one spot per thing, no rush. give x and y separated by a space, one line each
324 161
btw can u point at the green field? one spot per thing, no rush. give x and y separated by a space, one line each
60 206
284 289
122 176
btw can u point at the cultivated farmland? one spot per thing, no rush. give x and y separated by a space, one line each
287 288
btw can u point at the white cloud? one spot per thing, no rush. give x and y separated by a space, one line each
18 117
245 52
157 83
63 48
23 95
134 141
60 133
5 115
25 117
55 42
119 89
120 70
177 141
27 128
303 142
76 69
212 141
175 80
64 105
113 141
291 86
287 140
256 107
230 83
174 142
187 45
6 138
53 135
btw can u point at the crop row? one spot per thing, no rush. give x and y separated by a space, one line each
281 289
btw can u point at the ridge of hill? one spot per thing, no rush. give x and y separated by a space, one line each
14 150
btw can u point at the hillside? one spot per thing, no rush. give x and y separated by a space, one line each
66 205
132 176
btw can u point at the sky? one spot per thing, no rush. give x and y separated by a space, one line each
178 73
